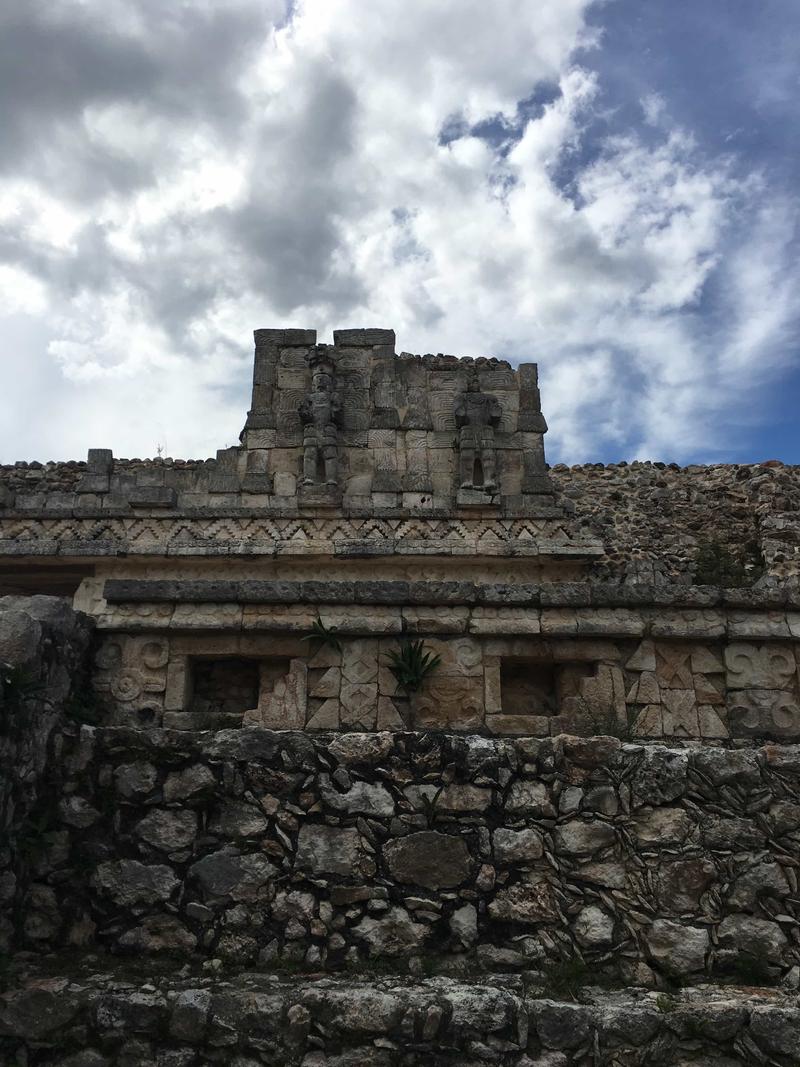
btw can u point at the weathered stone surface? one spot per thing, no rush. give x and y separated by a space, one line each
168 830
429 859
159 933
129 882
190 782
526 902
594 928
135 779
677 948
236 818
517 846
364 797
229 873
758 938
328 850
395 934
579 838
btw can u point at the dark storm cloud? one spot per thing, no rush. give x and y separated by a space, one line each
56 61
289 227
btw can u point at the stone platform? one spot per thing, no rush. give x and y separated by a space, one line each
79 1013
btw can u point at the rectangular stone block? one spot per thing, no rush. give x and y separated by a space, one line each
154 496
363 338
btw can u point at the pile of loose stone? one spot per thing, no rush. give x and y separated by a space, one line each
662 513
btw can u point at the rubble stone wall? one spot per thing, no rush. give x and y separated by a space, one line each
43 661
276 849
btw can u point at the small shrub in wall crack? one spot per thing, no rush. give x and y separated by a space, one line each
412 664
324 636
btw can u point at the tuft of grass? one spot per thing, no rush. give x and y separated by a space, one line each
718 564
666 1004
412 664
323 636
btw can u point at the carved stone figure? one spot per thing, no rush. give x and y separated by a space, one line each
477 414
320 414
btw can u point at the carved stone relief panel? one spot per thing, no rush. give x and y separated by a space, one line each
763 692
131 676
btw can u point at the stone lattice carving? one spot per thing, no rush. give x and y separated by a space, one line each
476 415
321 414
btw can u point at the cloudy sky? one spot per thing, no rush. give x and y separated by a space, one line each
608 187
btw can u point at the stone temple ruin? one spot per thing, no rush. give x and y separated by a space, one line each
374 739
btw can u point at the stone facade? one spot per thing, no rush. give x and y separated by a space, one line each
226 766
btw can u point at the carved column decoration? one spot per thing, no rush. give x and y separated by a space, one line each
320 413
477 414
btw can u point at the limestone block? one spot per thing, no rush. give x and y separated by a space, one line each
601 694
449 702
428 859
559 621
677 948
673 666
649 722
359 705
325 717
527 902
793 622
176 693
644 658
436 620
764 713
759 666
325 656
325 685
294 618
394 934
328 850
504 621
461 656
758 624
493 695
359 619
707 660
680 713
284 484
644 690
389 717
618 622
519 725
711 721
285 707
206 617
671 623
360 661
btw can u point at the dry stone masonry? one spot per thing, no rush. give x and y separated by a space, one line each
375 740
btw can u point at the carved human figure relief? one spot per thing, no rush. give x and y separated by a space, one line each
320 413
477 414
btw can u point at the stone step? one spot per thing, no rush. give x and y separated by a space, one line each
93 1012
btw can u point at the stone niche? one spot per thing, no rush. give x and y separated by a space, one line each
231 686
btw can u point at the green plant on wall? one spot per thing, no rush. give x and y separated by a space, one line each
412 664
323 636
719 564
